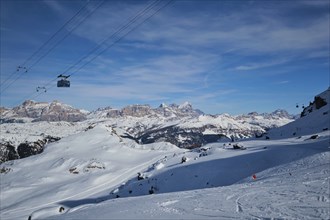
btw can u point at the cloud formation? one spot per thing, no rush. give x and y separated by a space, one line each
205 52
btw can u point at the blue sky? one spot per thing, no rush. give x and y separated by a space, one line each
221 56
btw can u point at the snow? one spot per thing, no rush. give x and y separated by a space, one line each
76 167
185 105
313 122
292 182
208 131
18 133
228 122
93 173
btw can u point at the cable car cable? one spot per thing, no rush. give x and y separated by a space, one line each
131 21
63 26
101 52
65 36
46 42
58 42
120 38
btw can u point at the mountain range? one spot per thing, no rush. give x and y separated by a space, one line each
181 125
102 167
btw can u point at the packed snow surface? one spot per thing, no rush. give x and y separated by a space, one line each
294 190
76 167
215 182
94 173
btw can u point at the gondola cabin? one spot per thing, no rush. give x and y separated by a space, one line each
63 82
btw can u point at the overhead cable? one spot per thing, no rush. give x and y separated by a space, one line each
115 36
75 26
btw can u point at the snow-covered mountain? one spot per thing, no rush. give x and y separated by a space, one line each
96 173
42 111
181 125
315 118
186 127
163 111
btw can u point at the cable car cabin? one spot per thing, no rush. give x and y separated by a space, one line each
63 83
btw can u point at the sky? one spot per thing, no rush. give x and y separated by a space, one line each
221 56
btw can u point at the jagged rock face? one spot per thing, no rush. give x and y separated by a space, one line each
281 113
183 138
131 110
114 113
29 149
171 111
9 152
3 110
29 109
183 110
40 111
319 101
136 110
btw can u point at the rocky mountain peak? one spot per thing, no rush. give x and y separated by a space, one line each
253 114
281 113
143 110
43 111
28 103
185 105
136 110
163 105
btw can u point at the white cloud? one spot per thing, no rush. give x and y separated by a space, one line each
175 30
151 79
263 64
184 51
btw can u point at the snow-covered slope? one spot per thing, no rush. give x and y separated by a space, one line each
292 190
30 125
87 168
292 182
316 118
74 168
17 133
95 173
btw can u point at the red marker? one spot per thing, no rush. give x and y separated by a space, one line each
254 177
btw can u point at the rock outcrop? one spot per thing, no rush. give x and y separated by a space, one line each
42 111
9 152
163 111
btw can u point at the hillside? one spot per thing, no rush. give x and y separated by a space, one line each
28 127
315 118
292 182
97 173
